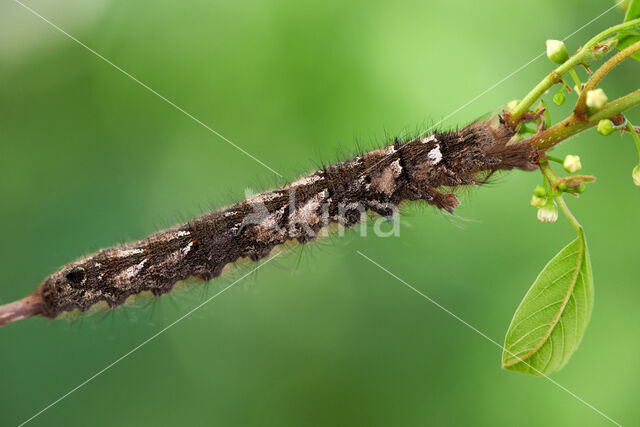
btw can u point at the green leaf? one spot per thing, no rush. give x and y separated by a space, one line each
551 319
633 10
627 38
627 41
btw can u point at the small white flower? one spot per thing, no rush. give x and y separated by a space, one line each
557 51
596 98
548 213
572 164
636 175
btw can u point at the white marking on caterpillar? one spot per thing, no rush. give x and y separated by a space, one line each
168 236
390 149
263 197
135 269
268 227
396 168
269 222
361 182
307 213
187 248
98 265
430 138
230 213
435 155
123 253
123 279
173 258
90 293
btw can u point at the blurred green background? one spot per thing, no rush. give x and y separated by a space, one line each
91 159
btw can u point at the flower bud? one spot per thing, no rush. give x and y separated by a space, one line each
636 175
596 98
580 189
557 51
572 164
538 202
549 212
540 191
559 98
605 127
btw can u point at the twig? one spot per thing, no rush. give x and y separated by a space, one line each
580 109
573 125
28 306
555 76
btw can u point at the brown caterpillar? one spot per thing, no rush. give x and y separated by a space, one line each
419 169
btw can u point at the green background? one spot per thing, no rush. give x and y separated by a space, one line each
90 159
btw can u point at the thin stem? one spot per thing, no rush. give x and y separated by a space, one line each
581 105
555 159
635 136
572 219
524 105
616 107
576 80
551 176
546 114
573 125
556 75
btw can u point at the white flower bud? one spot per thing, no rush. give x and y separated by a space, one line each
548 213
596 98
557 51
572 164
636 175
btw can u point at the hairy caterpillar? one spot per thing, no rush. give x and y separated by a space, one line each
428 168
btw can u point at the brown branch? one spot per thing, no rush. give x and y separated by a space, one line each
29 306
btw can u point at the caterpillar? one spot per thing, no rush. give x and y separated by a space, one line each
426 168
